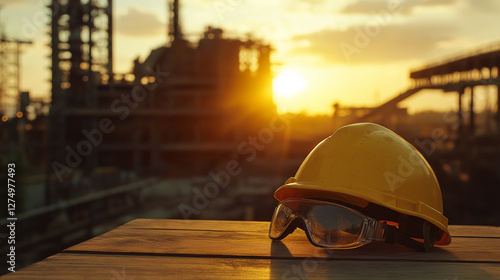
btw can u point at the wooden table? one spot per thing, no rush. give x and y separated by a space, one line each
174 249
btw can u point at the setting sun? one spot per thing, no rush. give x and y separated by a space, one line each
288 83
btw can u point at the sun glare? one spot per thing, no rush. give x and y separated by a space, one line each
288 83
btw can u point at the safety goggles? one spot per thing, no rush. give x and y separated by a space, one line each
331 225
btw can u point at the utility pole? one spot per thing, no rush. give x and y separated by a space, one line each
174 28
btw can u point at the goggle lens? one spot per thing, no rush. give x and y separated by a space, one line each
281 220
330 225
327 224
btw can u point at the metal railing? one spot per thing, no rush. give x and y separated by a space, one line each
488 48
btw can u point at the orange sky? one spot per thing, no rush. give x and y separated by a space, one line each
355 52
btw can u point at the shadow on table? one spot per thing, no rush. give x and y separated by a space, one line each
371 261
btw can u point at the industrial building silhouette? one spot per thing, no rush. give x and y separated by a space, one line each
180 110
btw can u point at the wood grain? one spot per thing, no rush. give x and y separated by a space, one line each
239 226
250 226
475 231
174 249
223 240
118 267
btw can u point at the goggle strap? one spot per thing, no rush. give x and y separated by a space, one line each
393 235
375 230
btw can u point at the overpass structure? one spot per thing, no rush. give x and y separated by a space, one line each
460 74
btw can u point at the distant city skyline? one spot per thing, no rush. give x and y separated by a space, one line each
357 52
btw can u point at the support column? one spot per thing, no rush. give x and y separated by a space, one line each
460 111
472 126
109 11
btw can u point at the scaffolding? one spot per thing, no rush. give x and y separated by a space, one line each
82 58
81 45
10 52
179 112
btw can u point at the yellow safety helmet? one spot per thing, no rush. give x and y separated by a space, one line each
370 167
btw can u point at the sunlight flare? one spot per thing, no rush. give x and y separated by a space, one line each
288 83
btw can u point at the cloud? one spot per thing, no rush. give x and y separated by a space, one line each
404 7
139 23
372 43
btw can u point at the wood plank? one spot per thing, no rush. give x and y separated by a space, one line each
119 267
247 226
224 243
239 226
475 231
